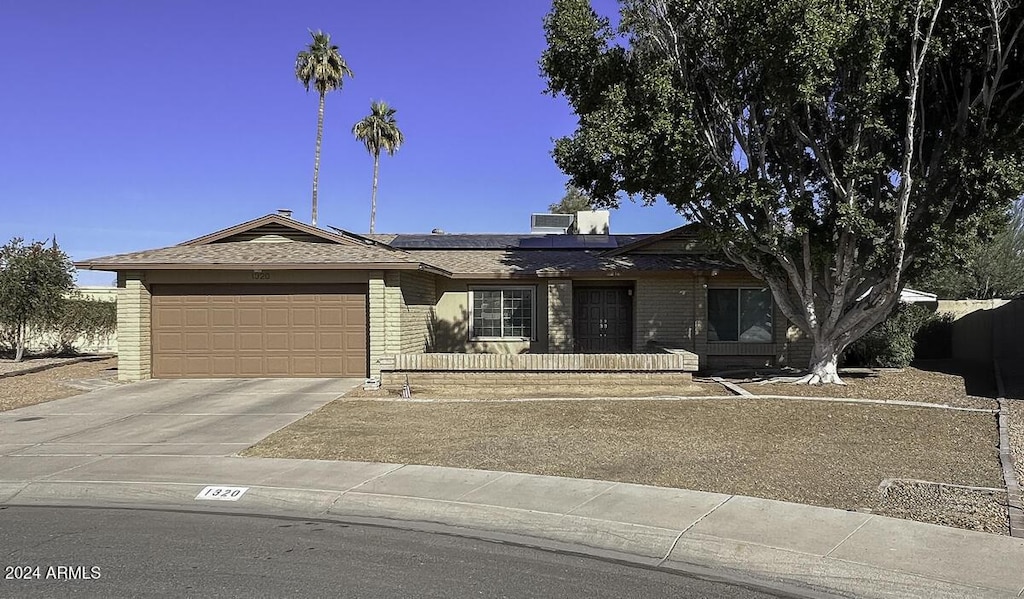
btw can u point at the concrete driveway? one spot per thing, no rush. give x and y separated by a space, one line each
169 418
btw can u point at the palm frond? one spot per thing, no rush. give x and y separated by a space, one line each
379 130
321 65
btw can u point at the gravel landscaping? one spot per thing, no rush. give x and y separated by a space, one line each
938 382
37 387
1017 437
8 366
983 510
828 454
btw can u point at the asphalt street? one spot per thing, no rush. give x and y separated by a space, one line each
143 553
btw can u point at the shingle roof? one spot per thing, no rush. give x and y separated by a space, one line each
247 253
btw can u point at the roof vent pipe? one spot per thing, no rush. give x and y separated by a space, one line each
285 212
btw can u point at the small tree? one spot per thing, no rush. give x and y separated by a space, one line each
574 200
34 281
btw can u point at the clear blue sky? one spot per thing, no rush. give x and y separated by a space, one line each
128 125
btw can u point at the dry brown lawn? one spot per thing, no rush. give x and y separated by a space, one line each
821 453
37 387
941 382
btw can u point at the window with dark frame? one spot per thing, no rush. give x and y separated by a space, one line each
743 314
502 313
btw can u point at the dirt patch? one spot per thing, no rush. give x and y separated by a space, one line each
939 382
38 387
974 509
505 392
827 454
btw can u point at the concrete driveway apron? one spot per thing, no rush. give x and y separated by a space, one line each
160 417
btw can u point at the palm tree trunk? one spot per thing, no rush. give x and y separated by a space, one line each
373 194
316 158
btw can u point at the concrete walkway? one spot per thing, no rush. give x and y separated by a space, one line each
147 449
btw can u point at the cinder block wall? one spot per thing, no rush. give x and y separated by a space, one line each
664 313
134 349
418 299
560 339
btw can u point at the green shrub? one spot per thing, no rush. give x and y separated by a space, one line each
89 320
891 343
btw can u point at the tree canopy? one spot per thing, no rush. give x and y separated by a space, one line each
574 200
832 148
987 268
34 281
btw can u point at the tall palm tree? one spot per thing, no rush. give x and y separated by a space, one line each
321 66
378 131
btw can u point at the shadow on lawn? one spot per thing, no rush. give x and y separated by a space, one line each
979 377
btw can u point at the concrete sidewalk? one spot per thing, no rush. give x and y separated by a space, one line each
781 545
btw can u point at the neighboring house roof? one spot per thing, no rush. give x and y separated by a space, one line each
913 296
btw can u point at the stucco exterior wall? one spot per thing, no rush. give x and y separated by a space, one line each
450 322
133 327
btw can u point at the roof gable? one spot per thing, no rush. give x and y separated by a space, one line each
274 228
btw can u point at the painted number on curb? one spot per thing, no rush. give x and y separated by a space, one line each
222 493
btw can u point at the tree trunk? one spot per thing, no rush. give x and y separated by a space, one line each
19 350
373 194
316 156
824 365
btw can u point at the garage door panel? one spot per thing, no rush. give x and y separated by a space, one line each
222 317
305 365
197 342
278 342
258 330
168 342
250 317
276 317
302 316
250 341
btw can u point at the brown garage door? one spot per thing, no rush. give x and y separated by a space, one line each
208 331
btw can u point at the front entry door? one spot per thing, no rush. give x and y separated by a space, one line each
603 320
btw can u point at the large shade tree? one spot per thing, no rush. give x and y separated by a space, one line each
379 132
830 147
320 66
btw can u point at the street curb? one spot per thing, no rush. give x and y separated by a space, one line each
1015 508
789 571
748 564
67 362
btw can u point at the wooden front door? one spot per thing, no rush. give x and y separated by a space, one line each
603 320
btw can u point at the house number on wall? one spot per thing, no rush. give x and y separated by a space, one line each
260 276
